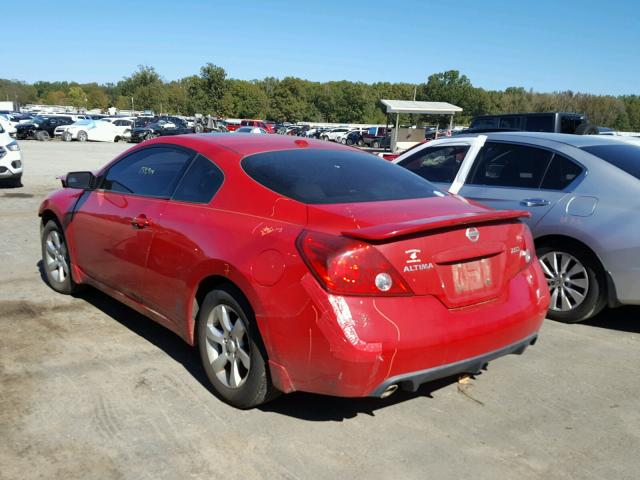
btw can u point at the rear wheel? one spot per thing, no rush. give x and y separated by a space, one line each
42 135
349 141
67 137
576 282
376 144
360 143
231 350
55 259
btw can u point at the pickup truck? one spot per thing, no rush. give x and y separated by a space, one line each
554 122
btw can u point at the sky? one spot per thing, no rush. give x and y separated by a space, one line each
584 46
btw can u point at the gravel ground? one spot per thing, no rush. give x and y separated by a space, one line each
91 389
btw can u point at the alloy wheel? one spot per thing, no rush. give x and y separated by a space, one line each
567 279
56 257
228 346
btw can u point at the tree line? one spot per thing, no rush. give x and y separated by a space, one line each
295 99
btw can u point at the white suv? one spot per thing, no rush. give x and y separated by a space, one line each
10 159
333 133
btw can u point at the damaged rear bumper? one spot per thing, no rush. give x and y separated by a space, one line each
412 381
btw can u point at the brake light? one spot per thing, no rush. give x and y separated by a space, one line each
344 266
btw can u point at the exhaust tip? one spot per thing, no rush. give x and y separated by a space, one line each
390 390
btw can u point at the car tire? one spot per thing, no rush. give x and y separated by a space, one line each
235 363
198 128
67 137
349 142
55 259
150 136
577 296
343 141
117 139
360 143
82 136
42 135
324 137
376 144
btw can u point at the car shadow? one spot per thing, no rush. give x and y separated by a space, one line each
624 319
304 406
323 408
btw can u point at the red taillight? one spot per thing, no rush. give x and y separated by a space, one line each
349 267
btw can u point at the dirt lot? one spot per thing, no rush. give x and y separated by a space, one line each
90 389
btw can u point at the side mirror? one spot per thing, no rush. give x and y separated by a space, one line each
81 180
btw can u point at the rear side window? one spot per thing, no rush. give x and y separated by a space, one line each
540 123
561 173
624 156
436 164
334 176
200 183
510 165
151 172
569 124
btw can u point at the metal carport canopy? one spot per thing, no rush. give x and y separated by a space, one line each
428 108
411 106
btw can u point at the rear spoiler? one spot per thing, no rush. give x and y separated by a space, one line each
399 229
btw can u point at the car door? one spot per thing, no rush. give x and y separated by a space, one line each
174 252
113 225
507 175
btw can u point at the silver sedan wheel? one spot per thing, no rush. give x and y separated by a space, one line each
567 279
228 346
56 257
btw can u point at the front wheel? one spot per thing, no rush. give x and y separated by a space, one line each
55 259
231 350
376 144
82 136
576 282
67 137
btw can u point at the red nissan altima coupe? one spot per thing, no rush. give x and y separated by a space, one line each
297 264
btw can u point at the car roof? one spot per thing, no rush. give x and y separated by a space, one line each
244 145
577 141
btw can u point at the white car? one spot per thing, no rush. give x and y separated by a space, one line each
333 133
93 130
7 125
342 137
10 159
254 130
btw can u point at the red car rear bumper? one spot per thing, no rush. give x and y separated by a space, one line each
358 346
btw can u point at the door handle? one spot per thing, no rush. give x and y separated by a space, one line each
534 202
140 222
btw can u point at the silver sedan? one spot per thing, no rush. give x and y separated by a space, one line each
583 193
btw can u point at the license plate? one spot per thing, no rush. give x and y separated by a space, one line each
471 276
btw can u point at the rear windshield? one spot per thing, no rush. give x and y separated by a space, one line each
624 156
330 176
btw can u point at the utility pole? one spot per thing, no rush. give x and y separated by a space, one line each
132 109
415 91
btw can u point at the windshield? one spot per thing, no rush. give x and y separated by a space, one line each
329 176
83 122
624 156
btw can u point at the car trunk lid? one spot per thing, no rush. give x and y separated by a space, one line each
462 253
